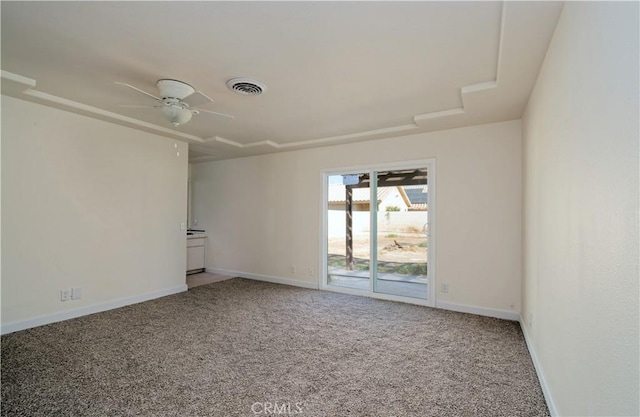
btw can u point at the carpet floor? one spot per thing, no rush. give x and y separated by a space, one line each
246 348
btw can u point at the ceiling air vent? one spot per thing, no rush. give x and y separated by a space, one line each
246 86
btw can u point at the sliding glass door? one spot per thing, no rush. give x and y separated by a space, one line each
401 233
377 232
348 230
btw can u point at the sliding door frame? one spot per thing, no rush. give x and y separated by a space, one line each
430 164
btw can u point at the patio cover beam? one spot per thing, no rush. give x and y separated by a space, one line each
395 178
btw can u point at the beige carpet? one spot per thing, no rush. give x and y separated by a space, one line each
245 348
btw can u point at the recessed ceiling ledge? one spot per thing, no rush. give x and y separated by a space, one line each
15 83
353 137
422 119
348 138
241 145
478 87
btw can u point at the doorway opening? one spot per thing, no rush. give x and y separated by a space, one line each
378 228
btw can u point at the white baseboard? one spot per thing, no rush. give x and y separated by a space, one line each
480 311
91 309
536 364
266 278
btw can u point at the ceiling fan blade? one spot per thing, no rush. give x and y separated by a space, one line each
139 90
215 113
137 106
198 99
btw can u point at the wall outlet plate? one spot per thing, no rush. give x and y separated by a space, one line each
76 293
65 294
444 288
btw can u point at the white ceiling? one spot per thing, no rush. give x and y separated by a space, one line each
336 72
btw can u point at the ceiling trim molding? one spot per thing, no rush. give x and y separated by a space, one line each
422 119
23 87
17 80
474 99
369 134
312 142
419 120
241 145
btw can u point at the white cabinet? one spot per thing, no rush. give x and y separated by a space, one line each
195 253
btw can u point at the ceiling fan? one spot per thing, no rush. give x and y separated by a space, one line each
176 99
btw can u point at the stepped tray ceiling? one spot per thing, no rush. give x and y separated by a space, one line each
335 72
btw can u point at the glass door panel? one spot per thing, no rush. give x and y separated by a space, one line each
348 231
402 230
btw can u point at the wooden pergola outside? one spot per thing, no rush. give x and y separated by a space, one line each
384 179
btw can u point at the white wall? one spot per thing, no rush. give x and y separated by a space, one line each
580 286
262 214
86 204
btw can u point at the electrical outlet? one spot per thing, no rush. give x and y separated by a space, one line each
310 272
292 269
76 293
65 294
182 226
444 288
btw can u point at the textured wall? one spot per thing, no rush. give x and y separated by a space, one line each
86 204
580 288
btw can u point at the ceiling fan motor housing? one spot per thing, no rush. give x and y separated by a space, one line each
174 89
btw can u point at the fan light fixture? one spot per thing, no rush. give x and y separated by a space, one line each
177 115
